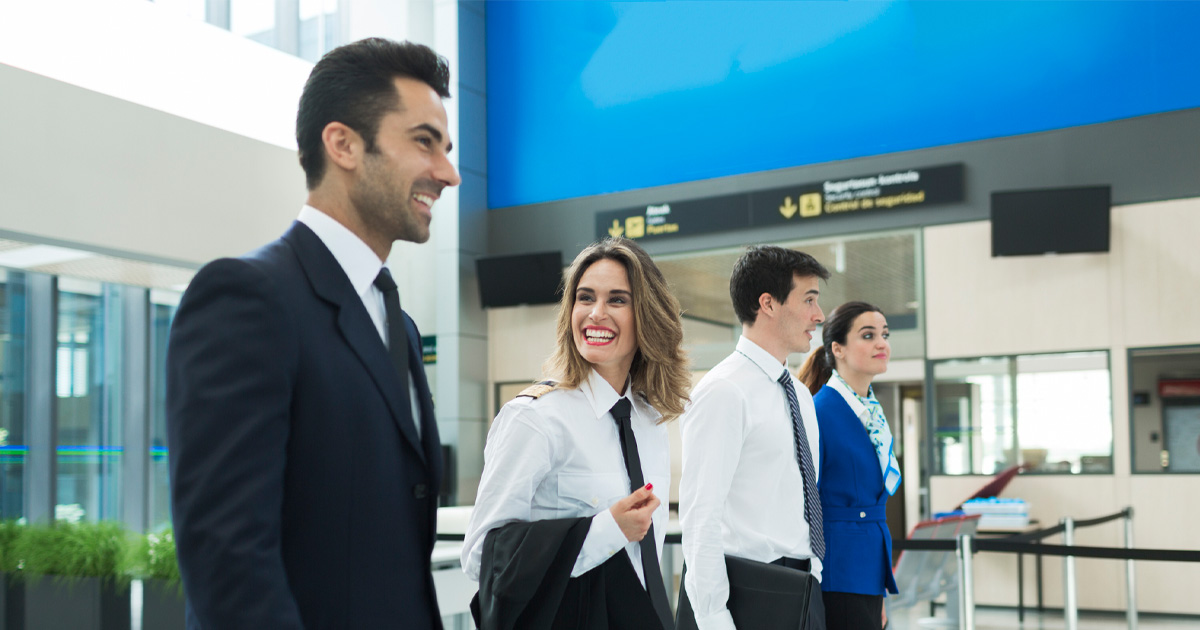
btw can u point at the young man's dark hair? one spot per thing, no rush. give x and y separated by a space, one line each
768 269
354 85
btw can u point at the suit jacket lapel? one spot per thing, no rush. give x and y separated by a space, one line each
329 281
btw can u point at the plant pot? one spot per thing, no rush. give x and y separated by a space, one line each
162 606
12 601
52 603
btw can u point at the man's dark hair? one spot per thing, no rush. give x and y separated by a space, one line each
353 85
768 269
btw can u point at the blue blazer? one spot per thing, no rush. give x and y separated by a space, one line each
301 495
858 545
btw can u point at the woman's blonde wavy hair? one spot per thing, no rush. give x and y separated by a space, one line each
659 370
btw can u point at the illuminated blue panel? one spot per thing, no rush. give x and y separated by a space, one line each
587 98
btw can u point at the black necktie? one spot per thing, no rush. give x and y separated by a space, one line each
397 337
812 502
633 464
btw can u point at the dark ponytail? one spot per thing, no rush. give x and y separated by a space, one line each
817 369
820 363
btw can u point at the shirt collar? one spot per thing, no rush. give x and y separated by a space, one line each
601 396
839 386
355 257
770 366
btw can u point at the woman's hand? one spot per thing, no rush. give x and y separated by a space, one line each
634 511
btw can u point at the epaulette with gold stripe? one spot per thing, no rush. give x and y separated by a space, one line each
538 390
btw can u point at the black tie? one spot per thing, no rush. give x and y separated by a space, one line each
397 337
633 464
812 502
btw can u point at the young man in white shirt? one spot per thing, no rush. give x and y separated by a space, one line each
748 487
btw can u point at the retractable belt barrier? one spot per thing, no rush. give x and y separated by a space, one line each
966 545
1005 546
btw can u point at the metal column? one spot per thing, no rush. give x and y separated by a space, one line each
1131 612
966 583
41 401
1070 600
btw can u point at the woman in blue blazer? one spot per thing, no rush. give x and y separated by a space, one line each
858 470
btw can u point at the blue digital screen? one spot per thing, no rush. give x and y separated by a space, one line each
586 98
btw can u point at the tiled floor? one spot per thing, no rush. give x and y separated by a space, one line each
1006 619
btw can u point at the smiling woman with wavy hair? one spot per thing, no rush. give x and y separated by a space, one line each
659 369
575 454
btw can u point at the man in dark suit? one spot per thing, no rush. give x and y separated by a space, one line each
304 454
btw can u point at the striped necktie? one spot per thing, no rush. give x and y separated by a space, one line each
812 501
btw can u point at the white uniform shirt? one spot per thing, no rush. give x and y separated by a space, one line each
741 492
559 456
361 266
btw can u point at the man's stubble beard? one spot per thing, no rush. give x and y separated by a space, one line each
383 209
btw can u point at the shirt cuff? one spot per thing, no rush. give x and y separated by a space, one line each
720 620
606 534
604 539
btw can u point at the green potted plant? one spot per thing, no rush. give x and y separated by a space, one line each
152 560
73 577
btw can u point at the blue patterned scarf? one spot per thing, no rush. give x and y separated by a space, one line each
881 436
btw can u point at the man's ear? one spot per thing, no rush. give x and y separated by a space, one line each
343 145
766 305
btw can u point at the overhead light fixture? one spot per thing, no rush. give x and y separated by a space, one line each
39 256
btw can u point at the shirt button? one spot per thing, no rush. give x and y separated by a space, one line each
595 501
862 515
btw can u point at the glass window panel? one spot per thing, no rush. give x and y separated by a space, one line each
1164 413
1064 412
162 312
253 19
63 368
972 415
318 28
1052 412
89 425
13 448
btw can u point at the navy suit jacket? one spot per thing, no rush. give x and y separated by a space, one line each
858 545
301 494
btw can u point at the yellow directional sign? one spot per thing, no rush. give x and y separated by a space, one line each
616 230
810 205
635 227
788 209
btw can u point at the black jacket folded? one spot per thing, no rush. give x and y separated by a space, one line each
525 582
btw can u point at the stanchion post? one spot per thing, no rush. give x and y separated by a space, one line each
1070 603
966 583
1131 612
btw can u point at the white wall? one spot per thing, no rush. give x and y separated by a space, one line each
155 56
1139 294
92 169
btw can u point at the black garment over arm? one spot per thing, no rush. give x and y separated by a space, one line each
525 582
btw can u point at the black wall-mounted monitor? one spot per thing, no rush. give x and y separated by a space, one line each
519 279
1051 221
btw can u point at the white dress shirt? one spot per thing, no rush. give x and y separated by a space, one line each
559 456
361 266
741 492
